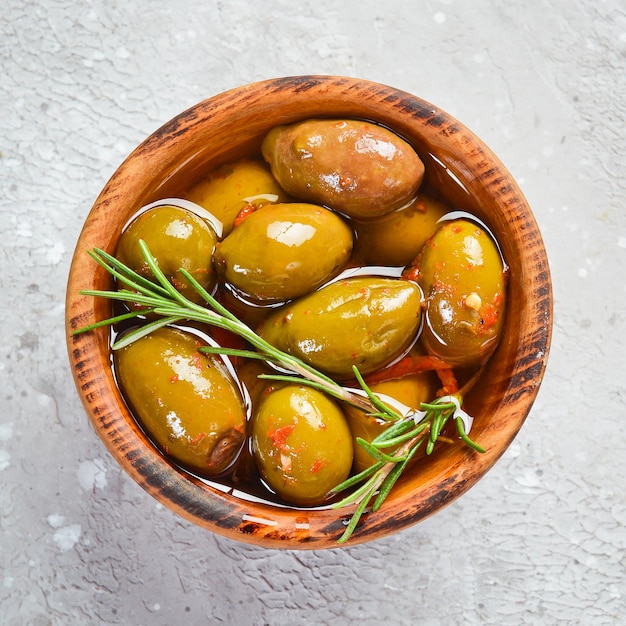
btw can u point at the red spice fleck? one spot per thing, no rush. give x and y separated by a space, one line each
411 273
245 212
456 228
197 439
317 466
279 436
174 378
197 361
490 317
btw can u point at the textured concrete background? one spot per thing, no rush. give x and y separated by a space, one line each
542 539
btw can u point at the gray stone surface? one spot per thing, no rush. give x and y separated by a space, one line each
542 538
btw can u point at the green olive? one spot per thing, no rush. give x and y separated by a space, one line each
301 443
176 238
283 251
463 277
186 401
409 391
233 187
353 166
363 321
396 239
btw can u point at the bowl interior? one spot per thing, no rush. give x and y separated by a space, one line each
460 169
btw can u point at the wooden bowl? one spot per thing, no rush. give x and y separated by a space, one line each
459 166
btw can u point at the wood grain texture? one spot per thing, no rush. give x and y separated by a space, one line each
459 166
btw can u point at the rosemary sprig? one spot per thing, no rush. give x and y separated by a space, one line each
163 299
406 433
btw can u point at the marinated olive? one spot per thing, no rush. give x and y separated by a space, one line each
462 274
283 251
301 443
176 238
409 391
233 187
364 321
185 400
353 166
396 239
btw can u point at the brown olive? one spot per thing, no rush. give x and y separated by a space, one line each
353 166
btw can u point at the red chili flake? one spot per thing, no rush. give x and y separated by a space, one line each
456 228
279 436
197 360
245 212
490 316
197 439
317 466
412 273
174 378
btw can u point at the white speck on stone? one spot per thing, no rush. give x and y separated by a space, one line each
122 147
478 57
6 431
533 164
55 520
122 53
564 208
621 242
8 581
157 607
92 475
43 399
439 17
528 478
24 229
5 459
547 151
582 272
67 537
55 252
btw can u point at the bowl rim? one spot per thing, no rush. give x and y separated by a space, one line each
258 523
